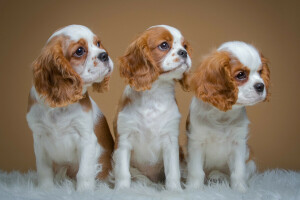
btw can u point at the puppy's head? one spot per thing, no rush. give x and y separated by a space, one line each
159 52
72 59
235 74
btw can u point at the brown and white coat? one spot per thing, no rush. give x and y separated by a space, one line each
69 130
147 123
234 76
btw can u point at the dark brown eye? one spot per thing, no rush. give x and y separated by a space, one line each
98 44
241 75
79 52
185 46
164 46
260 71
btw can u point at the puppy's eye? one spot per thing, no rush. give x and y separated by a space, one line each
241 75
185 46
260 71
79 52
98 44
164 46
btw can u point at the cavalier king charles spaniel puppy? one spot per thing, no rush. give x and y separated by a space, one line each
146 126
70 132
234 76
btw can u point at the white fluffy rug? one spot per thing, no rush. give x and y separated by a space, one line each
275 184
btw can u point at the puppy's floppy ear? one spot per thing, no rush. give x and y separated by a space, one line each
54 78
212 81
137 65
102 86
265 75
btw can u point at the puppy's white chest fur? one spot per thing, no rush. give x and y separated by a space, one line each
148 121
217 132
59 130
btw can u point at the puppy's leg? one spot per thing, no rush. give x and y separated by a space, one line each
171 163
88 162
196 174
121 159
43 166
237 166
250 169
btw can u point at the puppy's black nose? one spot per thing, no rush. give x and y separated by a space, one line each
103 57
182 53
259 87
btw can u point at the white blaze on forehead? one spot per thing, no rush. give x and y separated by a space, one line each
74 32
246 53
175 32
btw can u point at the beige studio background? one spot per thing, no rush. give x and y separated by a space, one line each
272 26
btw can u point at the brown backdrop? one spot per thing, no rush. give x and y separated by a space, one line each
272 26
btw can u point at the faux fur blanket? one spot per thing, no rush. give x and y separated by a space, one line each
270 185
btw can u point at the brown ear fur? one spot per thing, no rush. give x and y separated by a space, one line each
185 81
265 75
212 81
54 78
102 86
137 65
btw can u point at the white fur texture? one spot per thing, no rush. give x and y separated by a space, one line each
148 127
65 135
217 140
270 185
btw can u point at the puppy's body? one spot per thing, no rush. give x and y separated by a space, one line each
217 133
147 122
228 80
66 125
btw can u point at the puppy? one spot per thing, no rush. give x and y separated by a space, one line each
147 123
234 76
64 120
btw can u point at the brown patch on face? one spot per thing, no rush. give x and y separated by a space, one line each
265 75
140 66
186 45
97 40
53 75
176 60
95 63
213 83
106 141
236 68
31 102
76 61
86 103
122 103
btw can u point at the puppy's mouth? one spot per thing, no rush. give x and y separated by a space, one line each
97 74
180 65
250 103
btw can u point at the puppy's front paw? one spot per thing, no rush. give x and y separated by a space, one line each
122 184
240 186
85 185
195 182
173 186
46 184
